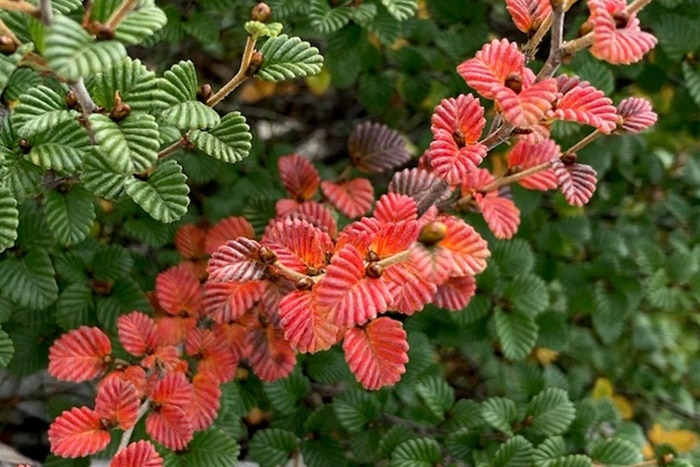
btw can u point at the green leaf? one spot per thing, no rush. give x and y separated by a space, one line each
258 29
288 58
21 81
385 27
29 281
62 148
436 394
70 214
143 21
72 53
616 451
692 81
607 320
364 13
527 294
73 307
40 109
323 452
552 412
514 257
229 141
8 65
677 35
516 452
131 145
355 409
326 19
190 115
376 91
596 73
500 413
164 194
517 333
395 436
272 447
9 219
100 177
423 452
31 348
179 83
464 414
285 394
401 9
550 448
7 349
213 448
574 460
137 87
111 262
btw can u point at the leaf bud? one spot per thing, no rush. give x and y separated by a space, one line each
71 100
261 12
204 92
120 112
312 271
458 138
24 145
304 283
104 33
266 255
372 257
585 28
256 62
568 159
514 82
7 45
374 270
432 233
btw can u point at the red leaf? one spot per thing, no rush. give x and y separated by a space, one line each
171 426
394 207
305 327
527 108
118 403
316 214
77 433
455 293
346 295
528 14
501 214
374 147
137 333
173 389
410 291
452 161
435 264
637 115
138 454
79 355
212 355
377 353
353 198
298 176
179 292
465 246
133 374
206 396
576 181
488 70
585 104
462 117
227 301
232 335
189 241
225 230
395 238
236 260
298 244
359 234
419 184
166 357
271 356
525 155
172 330
615 43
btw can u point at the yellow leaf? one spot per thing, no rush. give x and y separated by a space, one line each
681 440
624 406
319 84
603 387
545 356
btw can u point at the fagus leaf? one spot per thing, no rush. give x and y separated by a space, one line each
355 409
692 81
500 413
552 412
423 452
190 115
136 85
516 452
385 26
616 451
143 21
285 394
229 141
9 219
436 394
164 194
7 349
30 280
62 148
70 214
401 9
272 447
73 306
517 332
288 58
131 145
101 177
323 451
212 447
326 19
527 294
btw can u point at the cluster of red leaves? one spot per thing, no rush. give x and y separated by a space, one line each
530 104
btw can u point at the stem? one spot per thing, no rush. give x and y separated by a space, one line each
585 141
535 40
84 98
636 5
119 14
239 77
7 32
46 12
555 49
497 137
294 275
173 148
87 5
126 436
22 6
394 259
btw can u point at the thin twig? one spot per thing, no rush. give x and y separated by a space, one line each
87 6
46 12
535 40
126 436
499 136
239 77
119 14
557 37
21 5
294 275
84 98
7 32
173 148
394 259
637 5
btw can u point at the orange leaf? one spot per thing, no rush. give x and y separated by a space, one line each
236 260
455 293
212 355
465 247
271 356
463 118
171 426
526 108
227 229
377 353
179 292
619 44
298 176
298 244
305 327
528 14
118 402
500 213
353 198
227 301
189 241
137 333
77 433
138 454
491 66
394 207
205 401
410 291
79 355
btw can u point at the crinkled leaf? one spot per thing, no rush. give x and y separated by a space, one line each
436 394
143 21
72 53
212 447
401 9
327 19
70 214
516 452
191 115
74 305
423 452
164 194
552 412
237 260
305 327
527 294
101 177
9 219
285 394
179 83
500 413
272 447
355 409
39 109
228 141
61 148
30 280
374 147
299 176
7 348
353 198
78 433
576 181
137 87
271 355
288 58
616 451
517 332
130 144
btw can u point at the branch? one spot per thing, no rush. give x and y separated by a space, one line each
555 49
394 259
126 436
7 32
239 77
636 5
119 14
499 136
21 5
46 12
173 148
84 98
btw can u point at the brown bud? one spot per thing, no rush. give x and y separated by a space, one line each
585 28
458 137
374 270
7 45
261 12
372 257
514 82
304 283
104 33
312 271
204 92
621 19
71 100
24 145
568 159
256 62
522 131
432 233
120 112
266 255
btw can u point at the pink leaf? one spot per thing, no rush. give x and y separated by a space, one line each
395 207
298 176
488 70
189 241
588 105
409 289
315 214
353 198
225 230
467 249
618 39
525 155
305 327
206 395
227 301
137 333
501 214
79 355
77 433
271 356
576 181
528 14
374 147
452 161
138 454
298 244
462 117
527 108
377 353
419 184
118 403
179 291
236 260
455 293
637 115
